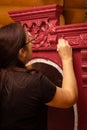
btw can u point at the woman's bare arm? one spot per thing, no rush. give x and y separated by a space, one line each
65 96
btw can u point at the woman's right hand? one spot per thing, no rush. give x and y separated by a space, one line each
67 94
64 49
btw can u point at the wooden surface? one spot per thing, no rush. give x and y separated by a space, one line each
74 10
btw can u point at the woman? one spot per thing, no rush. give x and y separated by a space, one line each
24 93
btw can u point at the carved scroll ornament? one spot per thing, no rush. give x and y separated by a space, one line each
47 34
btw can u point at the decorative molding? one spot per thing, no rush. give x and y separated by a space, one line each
43 23
41 12
47 35
84 67
40 22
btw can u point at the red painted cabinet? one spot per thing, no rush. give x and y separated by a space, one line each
43 24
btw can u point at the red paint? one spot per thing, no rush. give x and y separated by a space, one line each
43 24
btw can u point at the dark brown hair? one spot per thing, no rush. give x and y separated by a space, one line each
12 38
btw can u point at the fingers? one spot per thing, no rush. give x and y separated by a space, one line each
62 43
64 49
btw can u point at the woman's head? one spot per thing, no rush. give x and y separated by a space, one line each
12 45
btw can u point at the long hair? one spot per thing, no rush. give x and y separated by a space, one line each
12 38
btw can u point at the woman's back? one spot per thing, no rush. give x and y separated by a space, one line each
22 100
